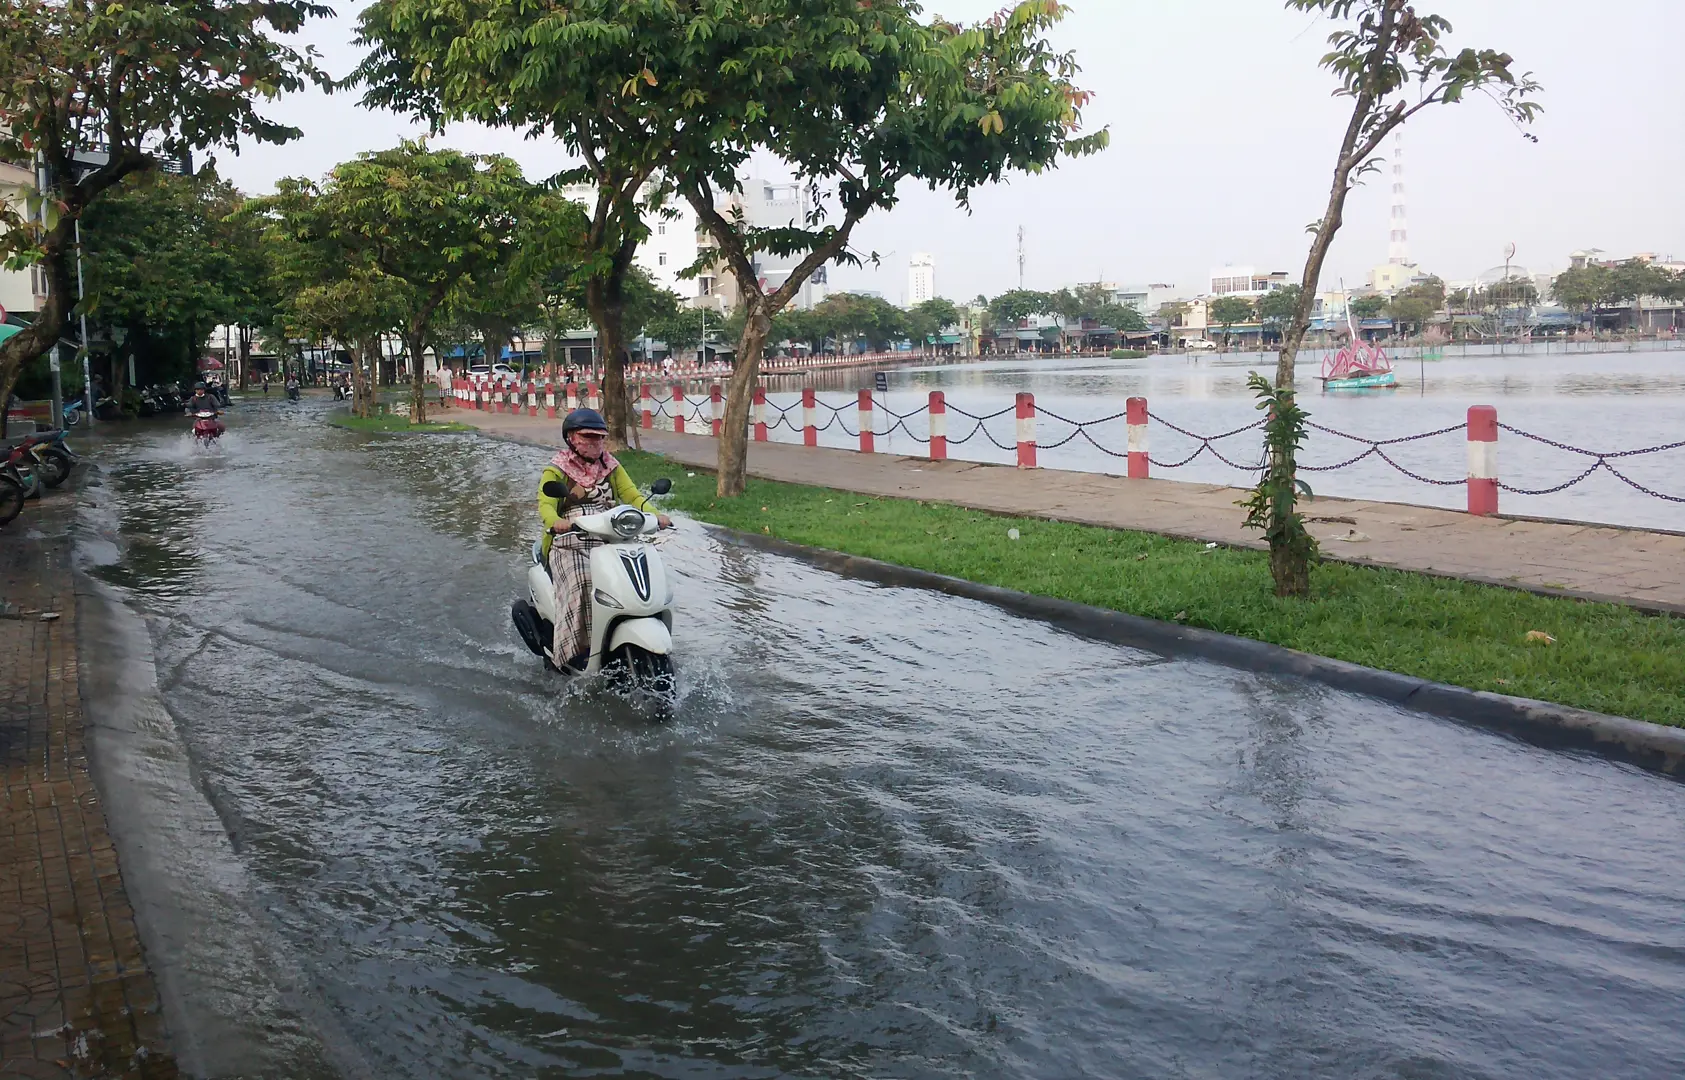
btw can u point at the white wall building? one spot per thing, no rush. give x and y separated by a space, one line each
1246 281
676 238
772 206
921 279
21 291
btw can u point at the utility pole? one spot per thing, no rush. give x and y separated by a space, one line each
1020 257
57 418
87 383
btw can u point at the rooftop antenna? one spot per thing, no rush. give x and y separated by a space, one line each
1020 257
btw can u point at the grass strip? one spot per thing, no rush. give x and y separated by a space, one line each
395 424
1605 657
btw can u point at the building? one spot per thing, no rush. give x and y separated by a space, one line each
1389 277
1146 299
676 240
766 205
22 292
921 278
1246 281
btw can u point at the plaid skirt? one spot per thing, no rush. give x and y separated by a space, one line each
570 569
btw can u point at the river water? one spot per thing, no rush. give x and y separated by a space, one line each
887 834
1598 401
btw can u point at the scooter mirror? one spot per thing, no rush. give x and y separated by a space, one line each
554 489
661 486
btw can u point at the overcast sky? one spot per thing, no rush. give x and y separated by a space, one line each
1223 136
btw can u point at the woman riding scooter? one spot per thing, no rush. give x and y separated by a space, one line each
595 482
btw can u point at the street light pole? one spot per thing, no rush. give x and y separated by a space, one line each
87 383
57 418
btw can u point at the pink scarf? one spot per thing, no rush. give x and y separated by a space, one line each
586 473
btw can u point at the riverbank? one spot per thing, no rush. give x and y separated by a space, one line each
1604 657
76 995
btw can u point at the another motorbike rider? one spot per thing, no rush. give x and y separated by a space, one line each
204 401
595 482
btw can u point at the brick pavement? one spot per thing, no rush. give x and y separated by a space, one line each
1631 566
76 998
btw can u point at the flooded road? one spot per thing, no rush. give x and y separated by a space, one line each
888 833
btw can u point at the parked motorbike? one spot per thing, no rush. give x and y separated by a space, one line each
18 479
52 457
631 602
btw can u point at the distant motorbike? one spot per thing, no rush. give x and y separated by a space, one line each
206 427
292 391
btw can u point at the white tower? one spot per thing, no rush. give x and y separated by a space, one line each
1398 245
921 278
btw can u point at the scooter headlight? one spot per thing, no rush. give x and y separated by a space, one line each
606 600
628 523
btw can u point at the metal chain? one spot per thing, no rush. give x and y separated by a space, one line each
1593 453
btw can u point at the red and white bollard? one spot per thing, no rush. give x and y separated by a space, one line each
1137 420
1483 459
649 413
866 422
1026 431
593 397
570 395
716 406
678 409
760 414
532 397
938 426
810 429
549 400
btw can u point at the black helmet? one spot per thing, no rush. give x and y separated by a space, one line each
198 386
583 420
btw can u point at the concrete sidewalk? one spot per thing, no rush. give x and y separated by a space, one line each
76 996
1627 566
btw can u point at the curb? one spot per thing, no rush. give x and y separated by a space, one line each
1654 747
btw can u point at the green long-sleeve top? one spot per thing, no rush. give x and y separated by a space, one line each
550 510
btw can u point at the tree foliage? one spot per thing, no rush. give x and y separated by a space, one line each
1225 311
858 98
427 219
139 83
167 259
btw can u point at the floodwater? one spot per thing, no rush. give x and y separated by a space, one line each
887 834
1599 401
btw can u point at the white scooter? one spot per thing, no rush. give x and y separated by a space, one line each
631 600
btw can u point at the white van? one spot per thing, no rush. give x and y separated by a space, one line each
1199 345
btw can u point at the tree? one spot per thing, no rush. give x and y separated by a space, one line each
427 218
857 98
141 84
928 319
680 328
1584 288
1367 307
852 317
1515 291
1277 306
162 270
1225 311
605 78
1017 306
1392 64
1173 312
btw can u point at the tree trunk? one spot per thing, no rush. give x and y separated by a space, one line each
245 357
603 298
49 325
415 343
734 430
363 379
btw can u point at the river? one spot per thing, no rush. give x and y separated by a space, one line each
888 833
1599 401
